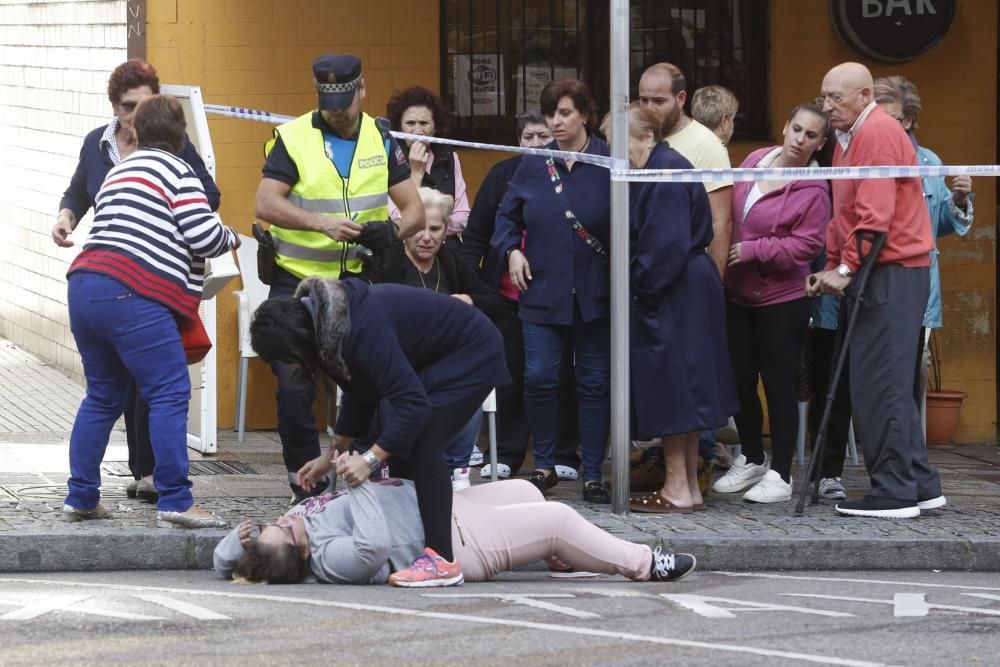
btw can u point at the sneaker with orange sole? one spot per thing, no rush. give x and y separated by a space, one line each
427 571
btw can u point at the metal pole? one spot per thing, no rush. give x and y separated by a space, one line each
620 413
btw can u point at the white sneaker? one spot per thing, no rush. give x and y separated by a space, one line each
476 459
770 489
741 475
503 471
460 479
832 488
567 473
932 503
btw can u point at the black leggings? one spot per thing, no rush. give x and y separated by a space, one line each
425 465
765 343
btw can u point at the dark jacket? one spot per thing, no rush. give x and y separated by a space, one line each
95 163
476 250
415 349
460 278
681 376
562 264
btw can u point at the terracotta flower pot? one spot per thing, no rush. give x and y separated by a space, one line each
943 408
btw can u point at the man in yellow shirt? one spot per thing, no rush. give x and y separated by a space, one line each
662 90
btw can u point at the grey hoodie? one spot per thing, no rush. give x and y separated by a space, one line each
358 536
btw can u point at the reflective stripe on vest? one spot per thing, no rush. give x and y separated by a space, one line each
363 197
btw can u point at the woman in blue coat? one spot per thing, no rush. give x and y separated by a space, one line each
682 382
431 358
563 278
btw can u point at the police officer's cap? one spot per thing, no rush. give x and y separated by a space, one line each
337 76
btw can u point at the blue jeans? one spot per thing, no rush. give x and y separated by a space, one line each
543 351
120 336
459 449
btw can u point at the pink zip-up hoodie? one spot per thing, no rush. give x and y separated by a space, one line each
783 231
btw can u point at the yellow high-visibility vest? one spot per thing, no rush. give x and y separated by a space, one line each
362 197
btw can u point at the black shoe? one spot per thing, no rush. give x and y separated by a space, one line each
594 492
879 507
542 481
670 567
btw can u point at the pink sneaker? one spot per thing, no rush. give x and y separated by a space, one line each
428 570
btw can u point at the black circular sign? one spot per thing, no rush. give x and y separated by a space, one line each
892 31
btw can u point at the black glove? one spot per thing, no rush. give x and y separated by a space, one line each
378 236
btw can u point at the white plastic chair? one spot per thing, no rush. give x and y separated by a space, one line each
490 409
852 445
250 297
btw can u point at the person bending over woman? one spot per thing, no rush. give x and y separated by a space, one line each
429 358
681 380
104 147
779 227
371 531
140 273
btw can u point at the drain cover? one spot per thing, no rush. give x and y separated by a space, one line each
120 469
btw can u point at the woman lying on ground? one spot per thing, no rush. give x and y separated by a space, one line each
364 534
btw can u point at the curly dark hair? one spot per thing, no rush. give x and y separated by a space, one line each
160 123
418 96
131 74
283 564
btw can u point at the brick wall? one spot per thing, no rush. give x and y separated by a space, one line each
55 58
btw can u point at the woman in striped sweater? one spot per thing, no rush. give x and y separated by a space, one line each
139 274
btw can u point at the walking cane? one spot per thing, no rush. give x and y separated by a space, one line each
877 240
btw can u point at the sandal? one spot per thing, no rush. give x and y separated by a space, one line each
654 503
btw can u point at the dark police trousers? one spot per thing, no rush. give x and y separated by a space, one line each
295 395
883 358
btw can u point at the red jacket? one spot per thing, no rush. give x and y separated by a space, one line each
893 205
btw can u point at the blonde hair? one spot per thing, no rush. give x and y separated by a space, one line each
710 103
640 122
439 200
889 89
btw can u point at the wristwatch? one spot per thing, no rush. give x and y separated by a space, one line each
371 460
844 271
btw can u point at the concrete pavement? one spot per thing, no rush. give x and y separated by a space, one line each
38 405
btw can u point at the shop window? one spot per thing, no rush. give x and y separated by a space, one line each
497 55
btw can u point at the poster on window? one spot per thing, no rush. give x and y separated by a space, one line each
479 85
530 80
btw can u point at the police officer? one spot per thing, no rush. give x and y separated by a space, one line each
328 175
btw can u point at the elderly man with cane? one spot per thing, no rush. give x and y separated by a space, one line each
884 344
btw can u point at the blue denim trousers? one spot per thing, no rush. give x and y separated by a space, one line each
544 346
120 336
459 449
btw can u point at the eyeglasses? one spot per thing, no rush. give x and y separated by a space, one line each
834 98
288 529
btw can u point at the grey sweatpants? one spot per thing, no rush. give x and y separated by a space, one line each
883 368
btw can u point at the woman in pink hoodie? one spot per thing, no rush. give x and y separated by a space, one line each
778 227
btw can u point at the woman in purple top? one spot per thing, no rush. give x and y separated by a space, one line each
778 228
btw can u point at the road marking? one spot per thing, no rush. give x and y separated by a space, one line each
916 584
185 608
65 603
480 620
527 600
907 608
611 592
703 606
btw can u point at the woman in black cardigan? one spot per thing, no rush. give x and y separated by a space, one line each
426 262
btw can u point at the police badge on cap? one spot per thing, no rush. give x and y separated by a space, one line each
337 76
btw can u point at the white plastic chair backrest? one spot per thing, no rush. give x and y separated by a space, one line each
490 404
255 290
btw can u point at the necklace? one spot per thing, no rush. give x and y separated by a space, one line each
420 274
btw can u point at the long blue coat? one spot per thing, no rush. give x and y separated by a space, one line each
681 377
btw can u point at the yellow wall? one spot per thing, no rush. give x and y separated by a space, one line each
257 53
